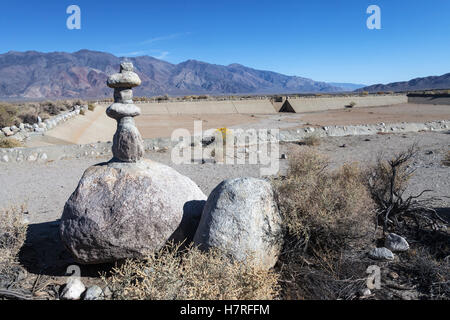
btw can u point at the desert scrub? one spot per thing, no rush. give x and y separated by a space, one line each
10 143
91 107
446 160
311 140
12 236
171 274
322 208
387 182
326 214
7 115
224 132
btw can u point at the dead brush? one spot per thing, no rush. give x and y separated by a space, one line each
324 212
387 182
12 236
174 274
446 159
311 141
10 143
323 208
429 275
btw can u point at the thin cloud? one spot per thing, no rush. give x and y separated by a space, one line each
132 54
167 37
162 55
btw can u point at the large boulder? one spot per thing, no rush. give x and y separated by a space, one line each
124 210
241 218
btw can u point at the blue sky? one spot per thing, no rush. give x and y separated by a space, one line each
325 40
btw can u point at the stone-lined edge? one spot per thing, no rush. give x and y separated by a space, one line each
92 150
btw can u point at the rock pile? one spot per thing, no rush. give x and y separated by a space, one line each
128 206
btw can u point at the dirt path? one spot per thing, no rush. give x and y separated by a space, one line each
92 127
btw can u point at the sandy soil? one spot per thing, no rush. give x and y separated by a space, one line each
96 126
372 115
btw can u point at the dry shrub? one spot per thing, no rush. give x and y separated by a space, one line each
10 143
312 141
171 274
429 275
12 236
7 115
91 107
322 208
446 160
325 213
387 182
329 276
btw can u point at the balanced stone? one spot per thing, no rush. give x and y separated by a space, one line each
128 145
125 79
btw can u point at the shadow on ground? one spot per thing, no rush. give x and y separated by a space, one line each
43 253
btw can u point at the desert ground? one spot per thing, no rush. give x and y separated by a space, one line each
42 188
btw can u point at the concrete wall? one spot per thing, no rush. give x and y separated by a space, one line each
311 104
209 107
429 100
266 106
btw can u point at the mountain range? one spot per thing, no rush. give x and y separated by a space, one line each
82 74
425 83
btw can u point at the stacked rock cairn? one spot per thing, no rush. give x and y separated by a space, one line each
128 206
128 145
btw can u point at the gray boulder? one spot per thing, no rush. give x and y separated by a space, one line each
125 210
396 243
241 218
93 293
381 254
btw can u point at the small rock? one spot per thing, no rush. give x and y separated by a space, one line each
7 131
381 254
107 292
396 243
365 292
73 289
393 275
342 146
93 293
409 295
43 156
